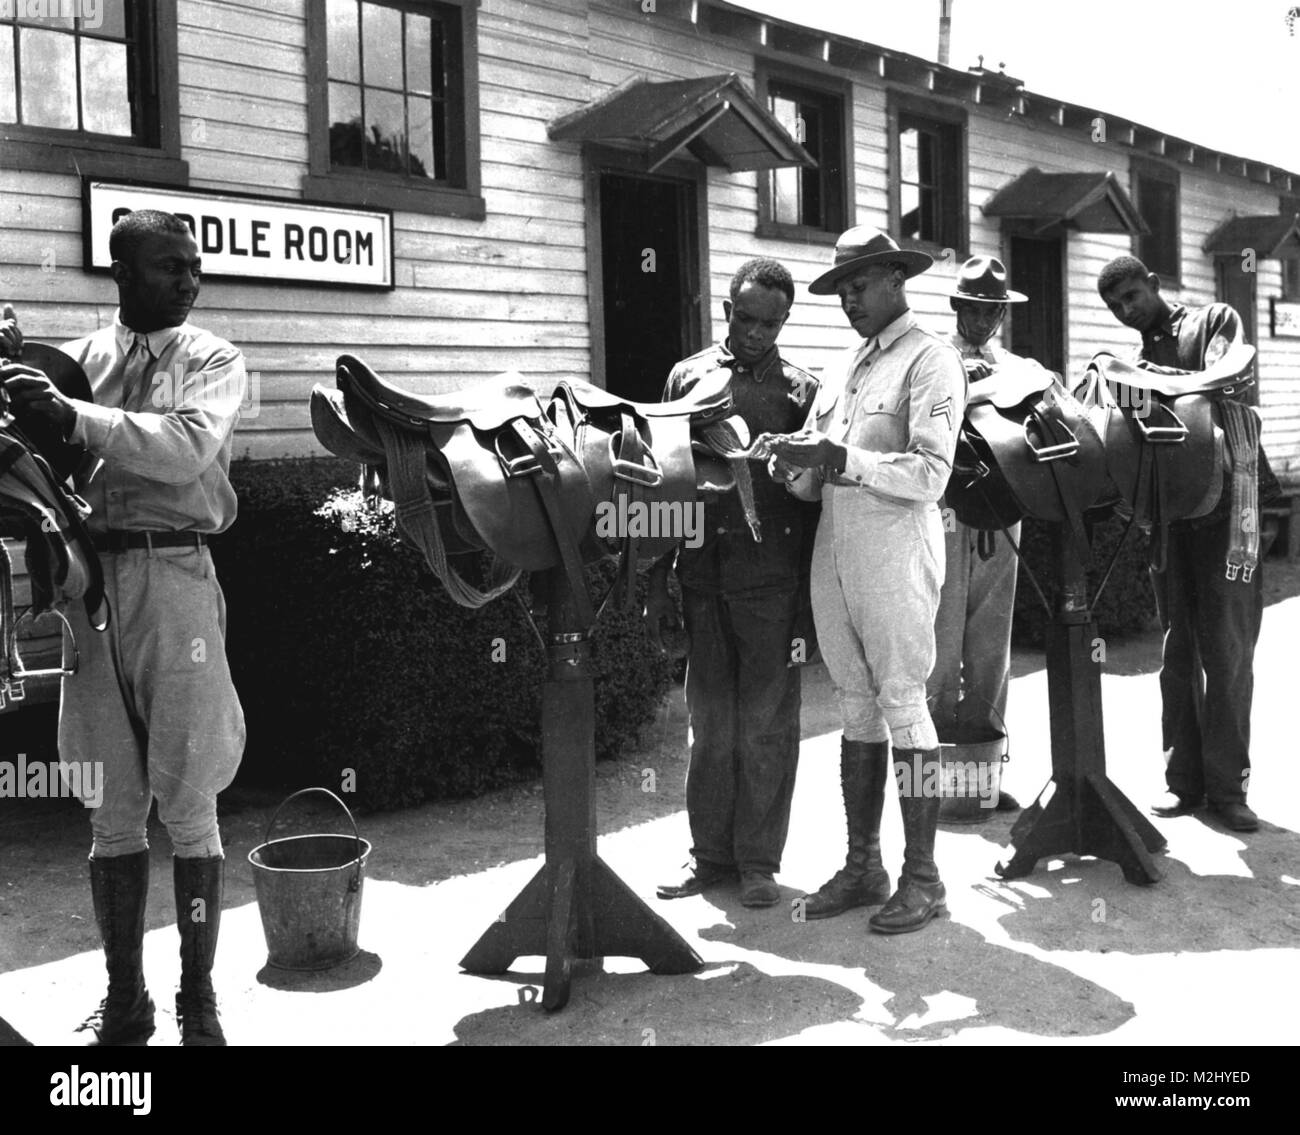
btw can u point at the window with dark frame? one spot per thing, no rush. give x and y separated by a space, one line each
928 174
796 195
394 107
91 93
60 73
1155 194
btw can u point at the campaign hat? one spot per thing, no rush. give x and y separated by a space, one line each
983 279
862 246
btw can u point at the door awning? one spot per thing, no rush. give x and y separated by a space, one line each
1273 236
715 118
1088 202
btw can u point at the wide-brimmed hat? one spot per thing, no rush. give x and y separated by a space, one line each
861 246
984 280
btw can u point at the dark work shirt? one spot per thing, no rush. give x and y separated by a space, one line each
1192 339
773 396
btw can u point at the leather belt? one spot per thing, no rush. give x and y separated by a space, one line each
120 540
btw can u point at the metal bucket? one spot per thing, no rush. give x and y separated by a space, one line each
971 775
309 893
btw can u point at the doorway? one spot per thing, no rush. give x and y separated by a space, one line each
649 264
1038 327
1236 287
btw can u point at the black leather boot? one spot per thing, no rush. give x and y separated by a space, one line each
198 923
862 881
119 887
920 895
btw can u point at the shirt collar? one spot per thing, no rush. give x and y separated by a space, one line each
888 335
760 369
1169 324
157 341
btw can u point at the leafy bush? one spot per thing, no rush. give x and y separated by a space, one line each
1127 603
348 655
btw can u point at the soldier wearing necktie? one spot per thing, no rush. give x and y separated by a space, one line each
152 702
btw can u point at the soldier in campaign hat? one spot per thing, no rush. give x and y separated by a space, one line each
878 455
968 687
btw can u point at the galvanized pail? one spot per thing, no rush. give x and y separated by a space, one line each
971 775
309 893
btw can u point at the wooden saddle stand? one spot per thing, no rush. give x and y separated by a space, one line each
37 506
493 470
1146 444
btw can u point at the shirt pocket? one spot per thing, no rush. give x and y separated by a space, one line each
880 423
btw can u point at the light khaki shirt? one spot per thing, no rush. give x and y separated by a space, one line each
164 446
895 401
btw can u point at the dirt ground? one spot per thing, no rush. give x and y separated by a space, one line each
1072 954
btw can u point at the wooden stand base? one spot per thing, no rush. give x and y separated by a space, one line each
575 909
1080 811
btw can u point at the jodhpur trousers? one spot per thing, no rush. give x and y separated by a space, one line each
877 570
743 700
152 704
972 635
1207 676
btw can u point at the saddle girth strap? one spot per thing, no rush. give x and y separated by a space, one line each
1241 433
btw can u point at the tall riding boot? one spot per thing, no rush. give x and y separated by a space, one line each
920 895
119 887
198 885
862 881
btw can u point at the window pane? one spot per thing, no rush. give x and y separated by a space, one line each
440 140
785 196
420 114
385 131
437 50
346 139
907 145
381 51
110 18
1291 278
105 104
8 87
344 45
49 79
910 210
419 57
1159 209
786 112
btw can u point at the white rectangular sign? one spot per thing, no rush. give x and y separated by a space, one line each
256 238
1286 319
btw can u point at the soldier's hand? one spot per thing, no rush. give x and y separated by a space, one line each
808 449
977 369
11 339
30 389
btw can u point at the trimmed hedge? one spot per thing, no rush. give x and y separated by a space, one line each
1126 606
347 654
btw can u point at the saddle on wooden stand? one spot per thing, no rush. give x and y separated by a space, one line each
491 470
1161 460
37 506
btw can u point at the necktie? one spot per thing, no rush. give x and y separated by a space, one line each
138 361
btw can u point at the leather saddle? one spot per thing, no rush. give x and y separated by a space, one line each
1026 448
36 506
491 469
1163 432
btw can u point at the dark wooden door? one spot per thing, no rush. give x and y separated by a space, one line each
1038 327
649 268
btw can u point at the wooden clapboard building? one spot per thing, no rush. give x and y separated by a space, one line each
572 183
